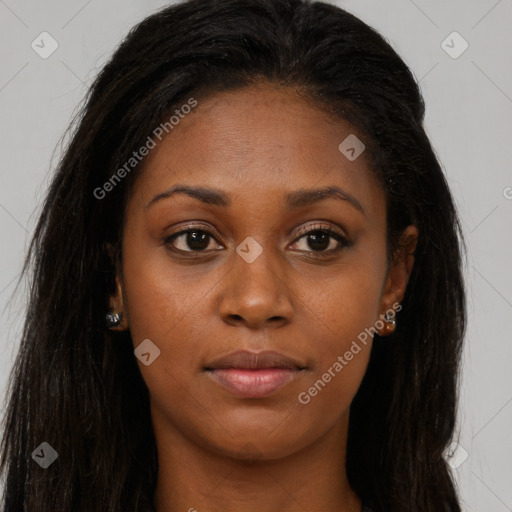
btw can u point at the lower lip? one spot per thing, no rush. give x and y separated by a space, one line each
253 383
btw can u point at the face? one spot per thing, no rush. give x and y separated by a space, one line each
248 258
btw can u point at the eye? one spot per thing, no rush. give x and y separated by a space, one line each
192 240
323 240
320 239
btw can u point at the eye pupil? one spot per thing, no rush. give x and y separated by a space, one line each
318 240
196 240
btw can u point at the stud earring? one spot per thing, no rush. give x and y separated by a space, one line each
389 324
113 319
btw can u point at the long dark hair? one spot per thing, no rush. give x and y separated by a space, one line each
76 385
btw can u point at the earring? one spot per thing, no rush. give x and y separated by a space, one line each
389 323
113 319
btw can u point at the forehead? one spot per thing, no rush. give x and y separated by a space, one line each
261 138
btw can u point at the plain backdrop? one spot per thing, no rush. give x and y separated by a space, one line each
469 105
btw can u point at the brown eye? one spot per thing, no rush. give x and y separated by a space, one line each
324 240
191 240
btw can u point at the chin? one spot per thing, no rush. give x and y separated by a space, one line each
253 445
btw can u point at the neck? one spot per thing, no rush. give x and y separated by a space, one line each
195 477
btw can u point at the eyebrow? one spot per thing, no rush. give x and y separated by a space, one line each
296 199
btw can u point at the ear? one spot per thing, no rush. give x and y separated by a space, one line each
400 269
116 301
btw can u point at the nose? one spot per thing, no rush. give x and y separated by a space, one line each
258 294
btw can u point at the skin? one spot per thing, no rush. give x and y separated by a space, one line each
218 452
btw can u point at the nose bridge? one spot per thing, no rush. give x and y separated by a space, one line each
255 290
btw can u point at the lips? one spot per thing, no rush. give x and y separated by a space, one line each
253 375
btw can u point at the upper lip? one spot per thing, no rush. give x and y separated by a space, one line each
245 359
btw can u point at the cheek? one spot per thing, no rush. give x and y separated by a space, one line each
331 389
342 327
157 295
168 310
173 305
162 305
347 301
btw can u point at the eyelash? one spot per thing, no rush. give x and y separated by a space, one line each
329 230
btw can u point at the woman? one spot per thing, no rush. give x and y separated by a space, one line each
247 289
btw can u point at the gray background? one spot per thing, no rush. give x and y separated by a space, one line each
469 105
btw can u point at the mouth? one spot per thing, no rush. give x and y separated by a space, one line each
253 375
